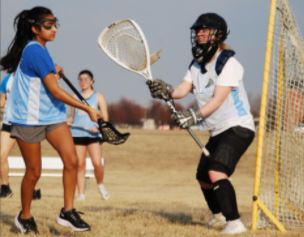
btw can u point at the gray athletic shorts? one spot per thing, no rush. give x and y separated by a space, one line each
33 134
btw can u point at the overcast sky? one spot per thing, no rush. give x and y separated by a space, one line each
166 26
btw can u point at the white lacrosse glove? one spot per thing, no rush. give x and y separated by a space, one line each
160 89
187 118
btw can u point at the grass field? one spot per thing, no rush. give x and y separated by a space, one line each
151 180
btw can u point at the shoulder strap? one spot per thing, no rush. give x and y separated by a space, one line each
192 62
222 60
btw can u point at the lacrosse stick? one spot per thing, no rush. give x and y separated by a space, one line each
124 42
109 133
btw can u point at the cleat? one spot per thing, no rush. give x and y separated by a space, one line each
37 194
81 197
26 226
234 227
217 220
6 191
103 192
72 219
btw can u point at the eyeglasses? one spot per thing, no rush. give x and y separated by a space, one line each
48 23
84 80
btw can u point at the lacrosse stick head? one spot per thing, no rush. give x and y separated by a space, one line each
124 42
110 134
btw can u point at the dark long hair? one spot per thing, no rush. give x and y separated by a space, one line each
88 72
23 26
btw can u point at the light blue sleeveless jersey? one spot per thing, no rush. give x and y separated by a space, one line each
30 102
5 88
82 122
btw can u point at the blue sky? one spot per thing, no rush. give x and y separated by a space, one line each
166 26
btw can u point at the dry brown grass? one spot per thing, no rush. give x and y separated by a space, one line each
153 190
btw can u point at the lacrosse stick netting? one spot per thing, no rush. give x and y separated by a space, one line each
125 43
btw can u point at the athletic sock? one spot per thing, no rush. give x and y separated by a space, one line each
226 198
211 200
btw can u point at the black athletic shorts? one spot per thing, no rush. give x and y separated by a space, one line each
86 140
225 150
6 127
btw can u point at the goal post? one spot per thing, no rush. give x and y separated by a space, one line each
278 195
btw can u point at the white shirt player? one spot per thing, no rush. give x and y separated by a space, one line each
235 111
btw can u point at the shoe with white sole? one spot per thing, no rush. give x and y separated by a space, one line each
72 219
234 227
103 192
26 226
217 220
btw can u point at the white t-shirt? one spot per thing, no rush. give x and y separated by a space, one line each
235 110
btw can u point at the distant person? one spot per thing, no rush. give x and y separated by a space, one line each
86 136
294 104
216 79
7 143
37 112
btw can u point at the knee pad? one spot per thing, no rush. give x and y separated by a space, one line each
218 166
224 159
202 170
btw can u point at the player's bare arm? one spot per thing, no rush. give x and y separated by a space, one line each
50 82
220 94
2 100
183 89
102 104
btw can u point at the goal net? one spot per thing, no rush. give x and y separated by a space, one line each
279 183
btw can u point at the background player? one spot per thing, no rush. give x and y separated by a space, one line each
86 136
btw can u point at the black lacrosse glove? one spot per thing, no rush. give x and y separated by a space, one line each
187 118
160 89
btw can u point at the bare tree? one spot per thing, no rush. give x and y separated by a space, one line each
161 114
126 112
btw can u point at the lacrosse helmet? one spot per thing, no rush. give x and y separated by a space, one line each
202 53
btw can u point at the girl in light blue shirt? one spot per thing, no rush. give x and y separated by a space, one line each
86 136
37 112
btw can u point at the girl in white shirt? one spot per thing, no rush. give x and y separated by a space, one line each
215 77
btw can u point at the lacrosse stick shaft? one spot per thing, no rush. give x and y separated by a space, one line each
192 134
108 132
198 142
72 87
67 81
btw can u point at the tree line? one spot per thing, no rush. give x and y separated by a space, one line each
128 112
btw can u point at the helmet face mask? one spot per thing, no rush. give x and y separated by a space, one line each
203 52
